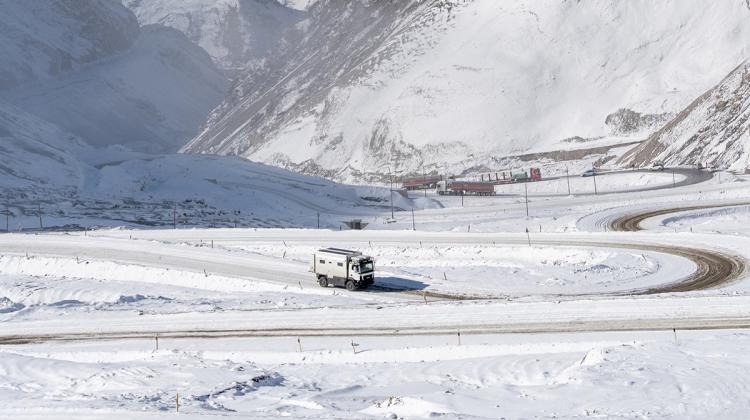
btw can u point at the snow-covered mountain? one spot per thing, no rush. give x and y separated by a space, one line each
238 34
37 154
713 130
73 140
417 84
298 4
76 184
89 69
43 39
150 98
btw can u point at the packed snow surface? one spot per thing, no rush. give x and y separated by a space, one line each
727 220
155 282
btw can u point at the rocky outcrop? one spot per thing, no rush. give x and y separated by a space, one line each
626 122
713 130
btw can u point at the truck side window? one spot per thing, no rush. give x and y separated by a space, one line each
340 264
322 261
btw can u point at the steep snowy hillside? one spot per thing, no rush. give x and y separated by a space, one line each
714 130
46 167
151 98
298 4
238 34
36 154
417 84
88 68
42 39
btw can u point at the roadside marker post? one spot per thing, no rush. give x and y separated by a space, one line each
528 237
526 191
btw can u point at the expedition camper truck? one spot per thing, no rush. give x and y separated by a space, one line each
342 267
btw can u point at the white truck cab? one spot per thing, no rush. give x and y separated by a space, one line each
343 267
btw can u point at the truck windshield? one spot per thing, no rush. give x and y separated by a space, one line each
366 267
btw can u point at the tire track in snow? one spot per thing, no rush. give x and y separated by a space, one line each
567 326
714 268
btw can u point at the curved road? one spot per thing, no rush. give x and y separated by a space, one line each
692 177
714 269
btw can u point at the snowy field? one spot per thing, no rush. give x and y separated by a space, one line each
603 375
472 316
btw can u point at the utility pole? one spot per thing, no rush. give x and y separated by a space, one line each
413 222
390 172
7 219
462 198
39 211
318 220
595 191
425 180
673 179
567 177
526 190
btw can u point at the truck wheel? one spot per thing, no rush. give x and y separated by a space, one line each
350 286
323 281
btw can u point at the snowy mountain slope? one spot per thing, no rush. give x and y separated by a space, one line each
416 84
335 45
713 130
298 4
75 184
150 98
37 154
42 39
238 34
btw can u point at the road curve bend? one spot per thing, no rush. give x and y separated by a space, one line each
714 268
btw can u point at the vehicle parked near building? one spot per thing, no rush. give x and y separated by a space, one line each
344 268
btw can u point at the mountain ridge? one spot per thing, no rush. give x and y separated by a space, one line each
465 83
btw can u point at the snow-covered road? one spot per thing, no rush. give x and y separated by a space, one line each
243 321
